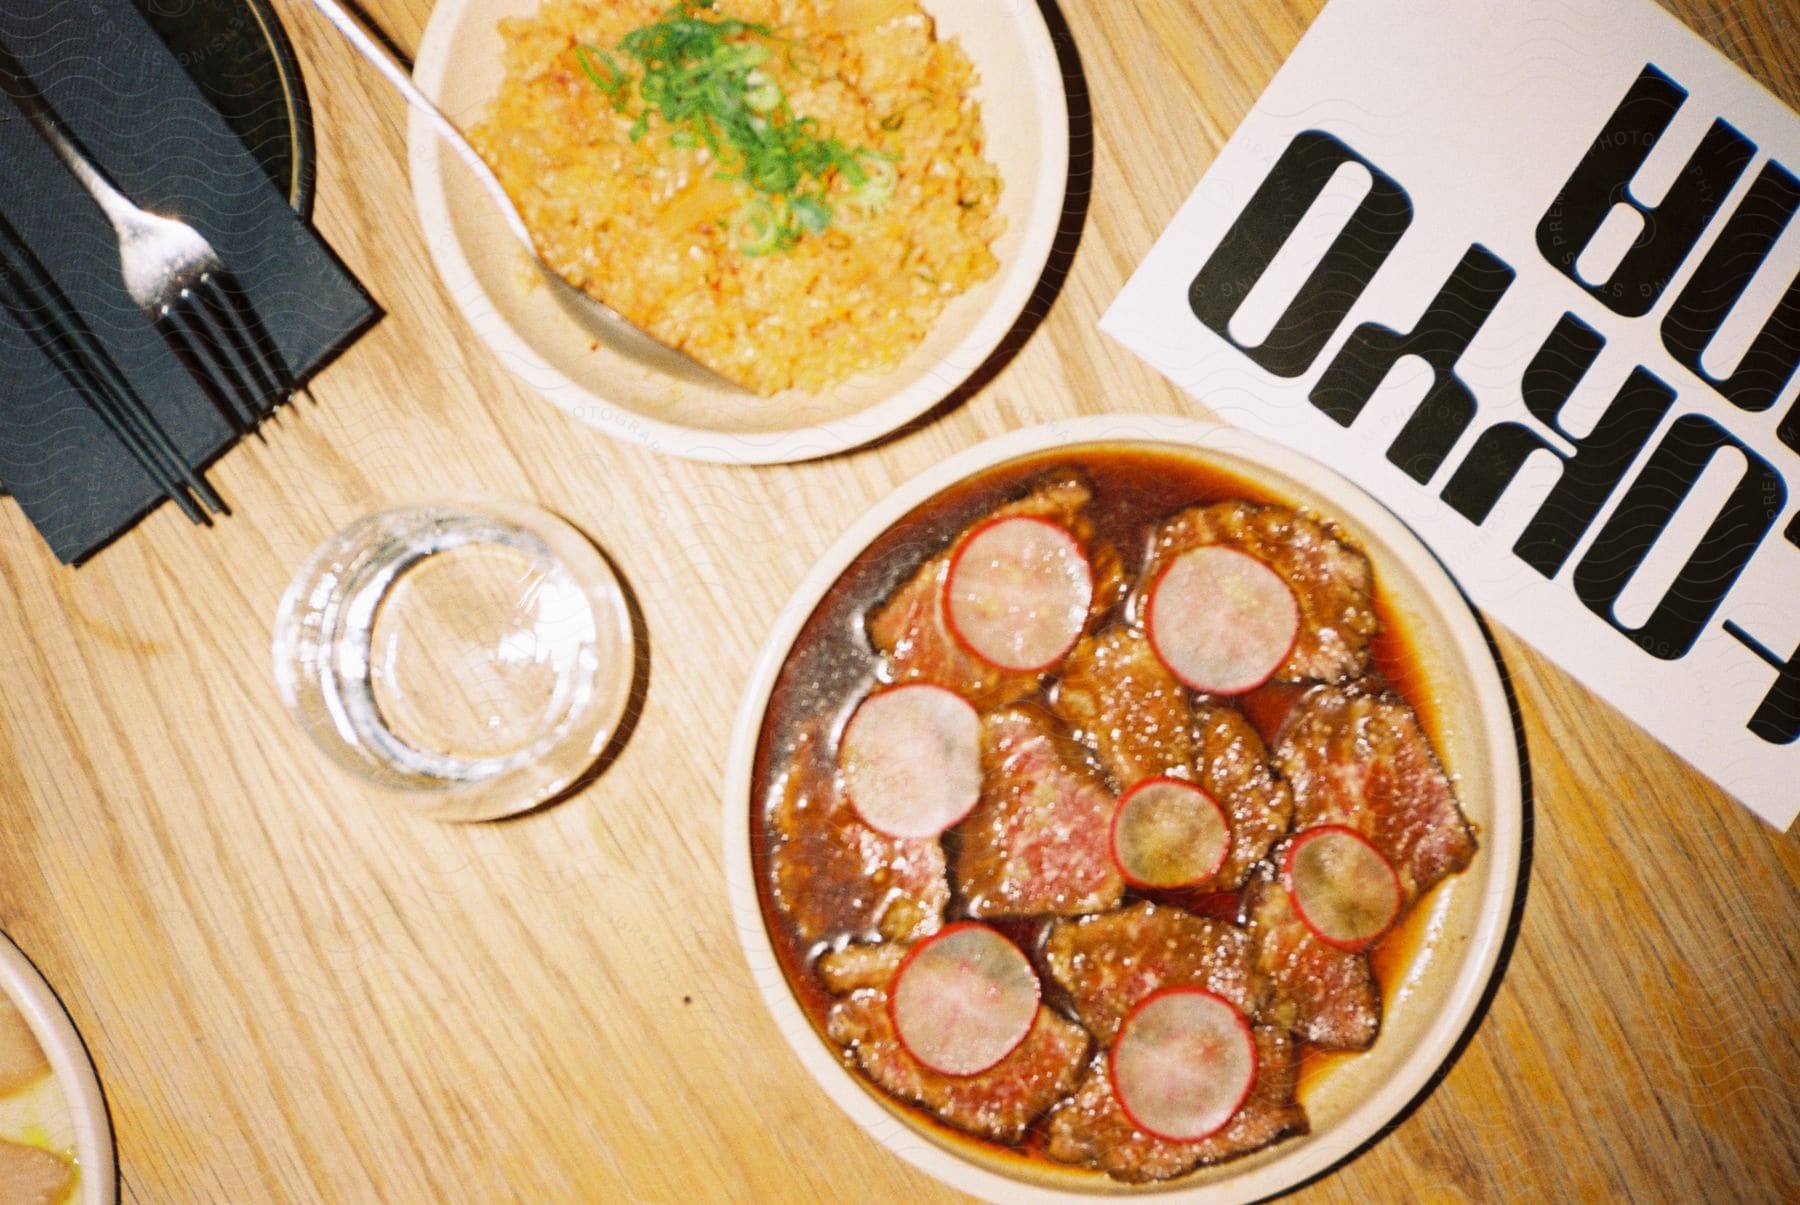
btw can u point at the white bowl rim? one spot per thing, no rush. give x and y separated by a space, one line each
1018 281
1502 841
73 1070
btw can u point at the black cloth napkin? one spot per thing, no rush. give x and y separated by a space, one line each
128 100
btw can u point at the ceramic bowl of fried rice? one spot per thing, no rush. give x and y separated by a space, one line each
831 337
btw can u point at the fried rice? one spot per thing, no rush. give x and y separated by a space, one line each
647 225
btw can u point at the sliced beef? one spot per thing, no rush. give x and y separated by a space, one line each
1091 1128
30 1175
1111 586
1110 962
1038 842
999 1103
1361 760
860 965
1234 768
1324 994
1141 722
909 629
22 1060
834 874
1127 706
1331 580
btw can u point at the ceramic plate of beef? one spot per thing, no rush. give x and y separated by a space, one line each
1128 805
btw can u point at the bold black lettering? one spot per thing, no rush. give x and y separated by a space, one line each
1266 224
1602 180
1777 718
1442 335
1644 511
1590 475
1731 263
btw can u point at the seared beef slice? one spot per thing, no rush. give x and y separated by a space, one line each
1127 706
998 1103
1361 760
1109 962
1324 994
834 874
30 1175
1234 769
1331 580
1092 1129
1141 722
909 628
1038 841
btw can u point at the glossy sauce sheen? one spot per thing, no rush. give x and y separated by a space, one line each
832 664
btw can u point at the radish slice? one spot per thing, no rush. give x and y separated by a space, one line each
1183 1063
1341 886
963 999
911 759
1221 620
1169 833
1018 592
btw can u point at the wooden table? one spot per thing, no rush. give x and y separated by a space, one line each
293 992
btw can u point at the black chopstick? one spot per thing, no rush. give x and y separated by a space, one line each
32 317
46 314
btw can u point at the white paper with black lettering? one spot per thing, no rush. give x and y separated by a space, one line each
1529 272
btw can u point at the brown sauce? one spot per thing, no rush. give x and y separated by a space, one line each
832 665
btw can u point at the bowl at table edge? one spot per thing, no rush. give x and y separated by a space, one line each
1431 1004
540 336
21 983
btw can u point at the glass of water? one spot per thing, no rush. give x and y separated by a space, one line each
475 656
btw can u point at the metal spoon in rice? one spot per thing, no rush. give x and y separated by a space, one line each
620 333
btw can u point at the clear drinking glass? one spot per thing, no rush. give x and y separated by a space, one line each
475 655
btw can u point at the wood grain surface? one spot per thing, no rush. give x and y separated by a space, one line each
295 993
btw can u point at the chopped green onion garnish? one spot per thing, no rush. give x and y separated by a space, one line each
613 82
761 93
757 230
880 175
704 77
811 214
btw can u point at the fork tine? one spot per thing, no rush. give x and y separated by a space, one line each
244 327
220 319
188 334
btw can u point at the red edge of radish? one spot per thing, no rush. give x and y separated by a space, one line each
988 638
1375 905
1182 1049
963 999
1134 796
1240 670
910 758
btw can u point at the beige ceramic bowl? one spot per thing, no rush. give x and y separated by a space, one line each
541 336
71 1069
1428 1010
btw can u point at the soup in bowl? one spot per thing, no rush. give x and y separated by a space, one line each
55 1141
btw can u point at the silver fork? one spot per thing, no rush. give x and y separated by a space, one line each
174 276
40 308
